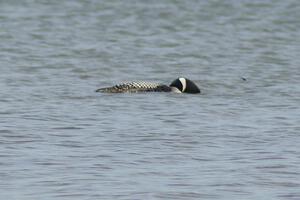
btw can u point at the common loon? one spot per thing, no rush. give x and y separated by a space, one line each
179 85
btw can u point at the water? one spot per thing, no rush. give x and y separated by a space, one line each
239 139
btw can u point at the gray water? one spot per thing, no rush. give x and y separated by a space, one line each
239 139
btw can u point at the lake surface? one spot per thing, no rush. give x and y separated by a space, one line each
238 139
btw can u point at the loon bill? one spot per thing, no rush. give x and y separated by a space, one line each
180 85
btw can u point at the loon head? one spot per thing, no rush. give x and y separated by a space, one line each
184 85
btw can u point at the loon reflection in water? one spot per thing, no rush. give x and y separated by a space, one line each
180 85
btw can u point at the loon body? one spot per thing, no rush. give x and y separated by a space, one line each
180 85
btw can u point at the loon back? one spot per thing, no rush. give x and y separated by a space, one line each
180 85
139 86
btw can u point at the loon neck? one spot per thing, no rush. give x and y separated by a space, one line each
175 90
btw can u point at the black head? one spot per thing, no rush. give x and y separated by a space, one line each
185 85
